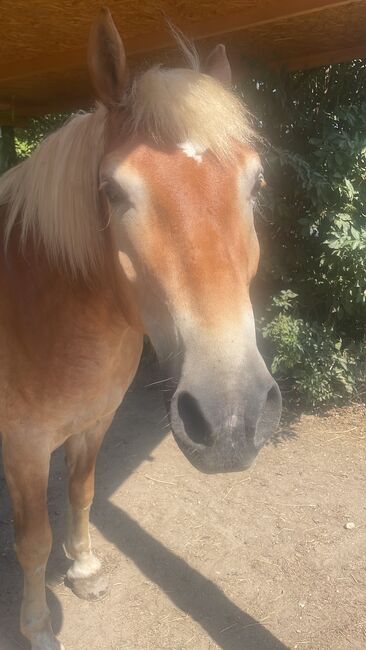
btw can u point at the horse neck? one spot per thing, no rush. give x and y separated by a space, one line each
28 280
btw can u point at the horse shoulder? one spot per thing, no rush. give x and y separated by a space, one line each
67 355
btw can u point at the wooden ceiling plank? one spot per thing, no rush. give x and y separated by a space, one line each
273 12
255 16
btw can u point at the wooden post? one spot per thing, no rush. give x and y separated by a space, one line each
8 155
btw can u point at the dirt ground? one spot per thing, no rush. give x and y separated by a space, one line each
254 561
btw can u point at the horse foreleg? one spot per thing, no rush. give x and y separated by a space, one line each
26 470
85 575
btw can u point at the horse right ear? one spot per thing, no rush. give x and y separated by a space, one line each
107 60
217 65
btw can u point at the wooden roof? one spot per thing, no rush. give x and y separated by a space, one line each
43 42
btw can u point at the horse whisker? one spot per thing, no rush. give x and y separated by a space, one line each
160 381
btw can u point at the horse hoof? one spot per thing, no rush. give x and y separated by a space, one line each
87 579
95 587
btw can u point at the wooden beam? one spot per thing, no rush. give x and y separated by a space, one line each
254 16
8 155
85 102
324 58
19 114
21 122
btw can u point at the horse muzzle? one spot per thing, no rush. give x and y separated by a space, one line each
221 431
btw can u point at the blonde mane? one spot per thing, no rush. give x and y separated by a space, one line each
172 106
54 195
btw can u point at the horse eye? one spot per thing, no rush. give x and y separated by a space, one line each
113 191
258 185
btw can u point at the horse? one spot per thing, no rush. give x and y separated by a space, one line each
134 219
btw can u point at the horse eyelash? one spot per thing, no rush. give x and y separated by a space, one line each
259 184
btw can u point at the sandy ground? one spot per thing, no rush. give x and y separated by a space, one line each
254 561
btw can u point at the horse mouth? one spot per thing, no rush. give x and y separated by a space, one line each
220 458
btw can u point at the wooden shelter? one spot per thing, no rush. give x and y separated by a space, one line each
43 42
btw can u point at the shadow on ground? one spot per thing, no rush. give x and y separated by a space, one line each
287 428
122 453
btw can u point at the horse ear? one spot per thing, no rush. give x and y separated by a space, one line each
107 60
217 65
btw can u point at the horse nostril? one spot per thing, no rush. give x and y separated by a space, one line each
195 424
274 401
270 416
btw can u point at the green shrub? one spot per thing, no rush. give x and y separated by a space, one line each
312 225
26 139
308 357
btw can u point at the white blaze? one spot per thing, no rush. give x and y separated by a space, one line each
191 150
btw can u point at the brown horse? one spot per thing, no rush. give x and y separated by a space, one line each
136 218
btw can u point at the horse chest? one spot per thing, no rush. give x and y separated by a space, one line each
65 386
102 384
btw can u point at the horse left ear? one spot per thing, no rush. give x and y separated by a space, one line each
107 60
217 65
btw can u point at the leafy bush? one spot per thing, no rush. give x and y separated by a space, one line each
313 225
317 365
28 138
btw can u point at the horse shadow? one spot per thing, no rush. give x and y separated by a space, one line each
122 452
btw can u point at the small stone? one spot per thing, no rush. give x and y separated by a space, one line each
349 525
302 604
